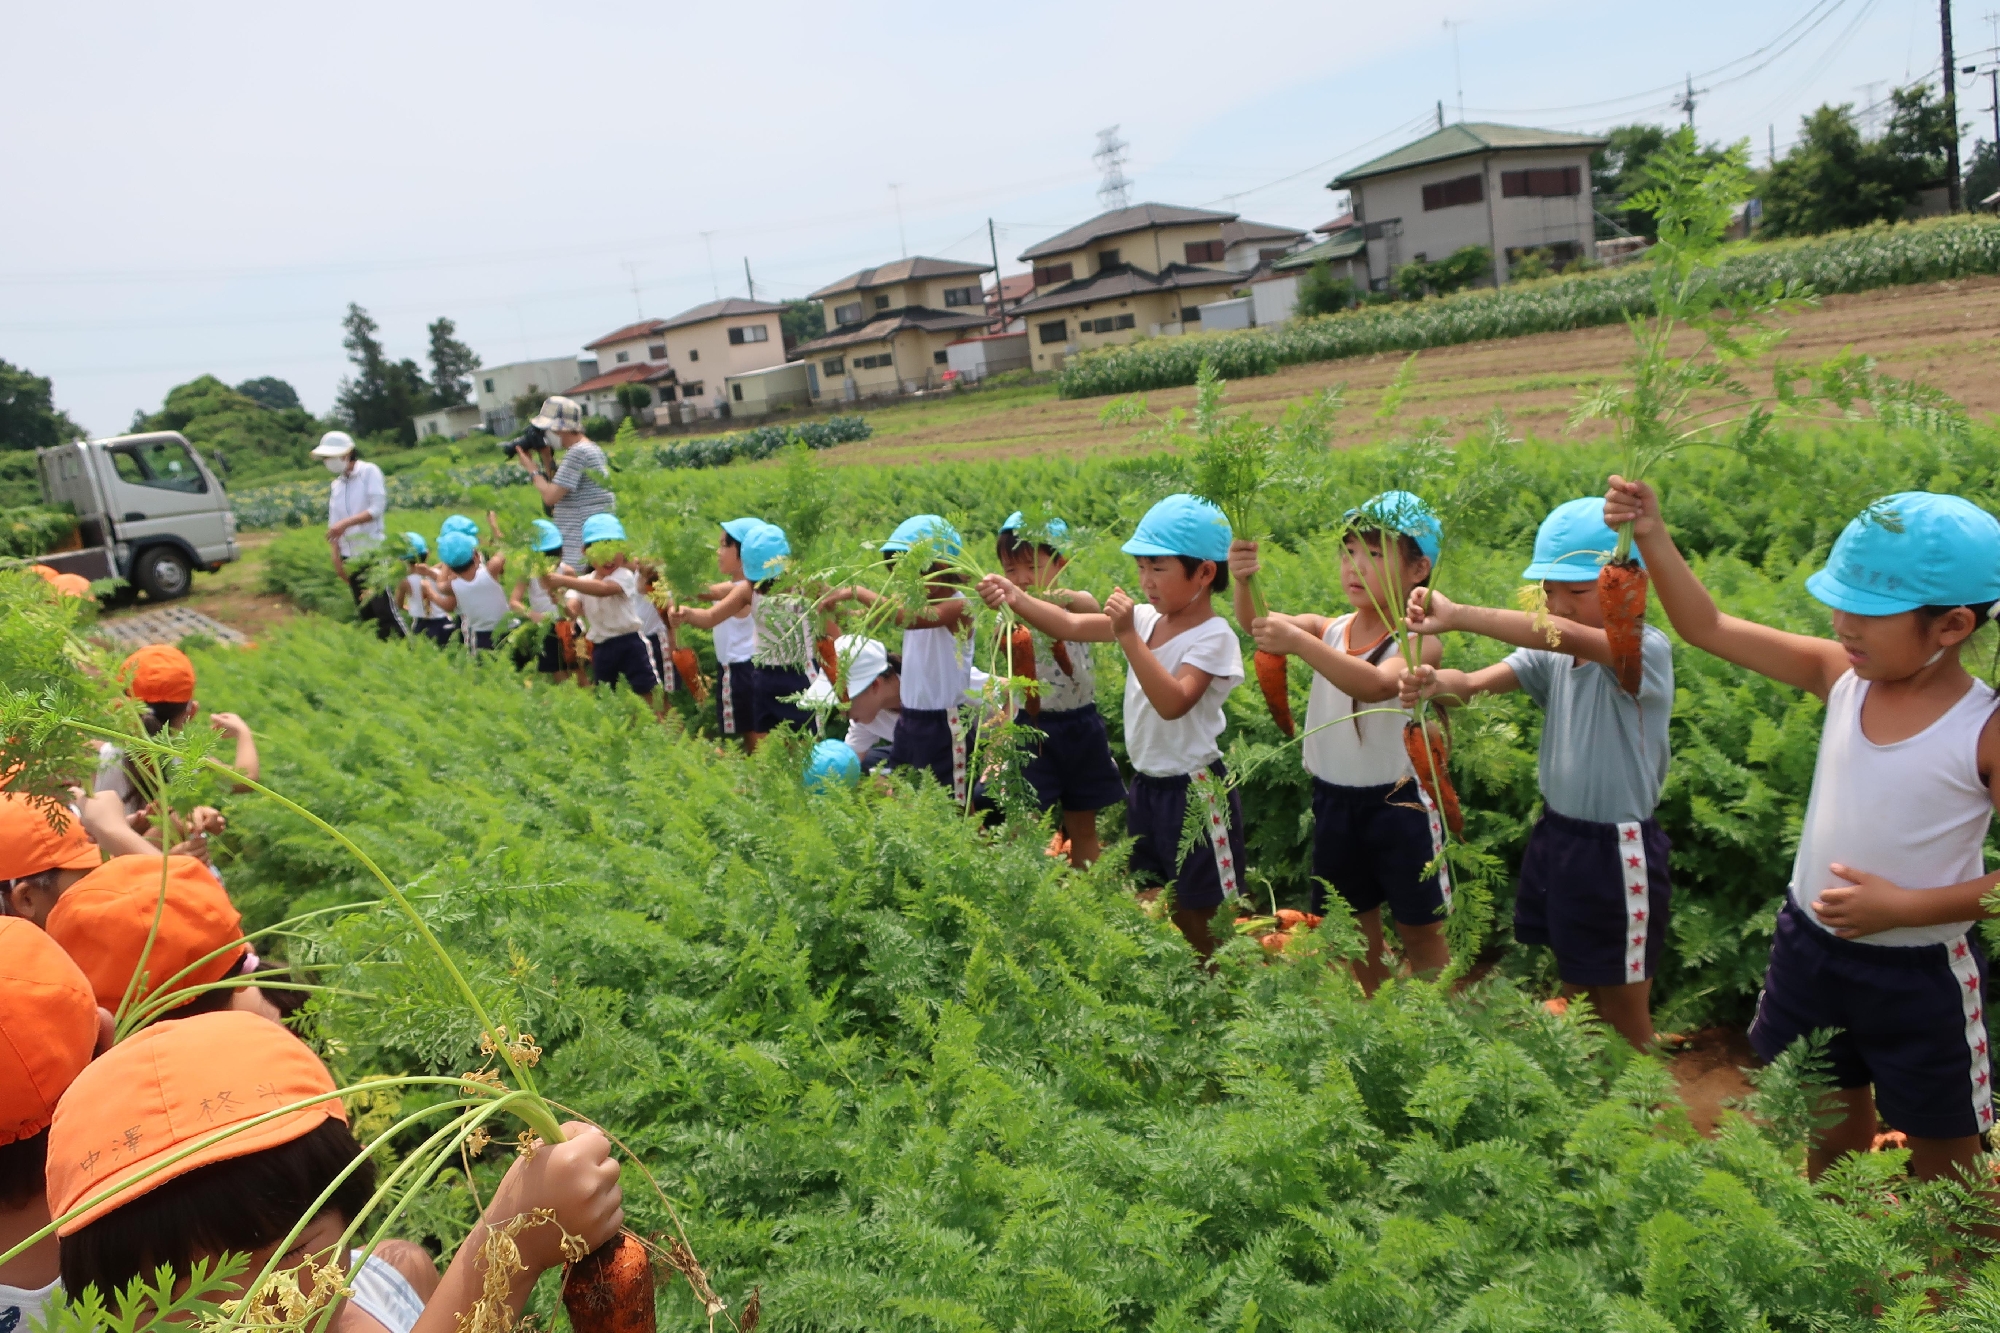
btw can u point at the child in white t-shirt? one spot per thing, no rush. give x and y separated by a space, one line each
610 600
1182 662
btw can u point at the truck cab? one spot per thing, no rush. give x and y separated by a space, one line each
148 510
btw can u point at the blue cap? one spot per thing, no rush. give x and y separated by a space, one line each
764 550
1057 529
833 764
1181 525
739 528
1573 543
414 543
456 548
602 528
1400 511
1912 549
942 535
460 523
548 537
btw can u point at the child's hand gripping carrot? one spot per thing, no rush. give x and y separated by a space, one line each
1270 656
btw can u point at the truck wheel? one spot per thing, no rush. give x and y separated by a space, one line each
163 572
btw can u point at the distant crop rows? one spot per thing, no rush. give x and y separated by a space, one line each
1845 262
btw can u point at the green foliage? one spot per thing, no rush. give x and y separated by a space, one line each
1862 260
290 504
452 365
270 391
29 417
297 566
34 530
251 436
1834 178
1462 268
802 321
383 395
600 429
760 442
1982 174
1320 293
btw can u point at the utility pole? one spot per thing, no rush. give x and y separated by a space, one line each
1113 190
708 241
1457 70
1771 153
631 268
896 193
1686 103
749 281
999 296
1440 113
1952 200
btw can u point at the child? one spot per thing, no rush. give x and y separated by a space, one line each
49 1026
610 609
781 646
37 863
1594 883
1875 938
411 603
933 735
159 1094
874 697
728 619
162 678
1373 828
653 629
1071 765
530 598
1182 662
471 588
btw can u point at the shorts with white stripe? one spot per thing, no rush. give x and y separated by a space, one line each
1596 894
1911 1020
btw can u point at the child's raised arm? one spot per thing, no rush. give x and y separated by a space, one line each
588 587
1432 613
996 590
1798 660
725 608
948 614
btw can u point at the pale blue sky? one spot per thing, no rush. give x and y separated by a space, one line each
204 186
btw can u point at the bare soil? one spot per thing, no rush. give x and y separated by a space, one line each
1946 334
1710 1071
230 594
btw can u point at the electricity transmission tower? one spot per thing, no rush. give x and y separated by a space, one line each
1113 191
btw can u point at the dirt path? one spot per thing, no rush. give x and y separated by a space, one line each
1710 1071
1946 334
229 595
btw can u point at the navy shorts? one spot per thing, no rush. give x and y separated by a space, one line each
625 657
1071 765
1372 844
435 628
1155 809
656 652
1597 894
482 640
770 685
735 697
924 740
550 660
1910 1019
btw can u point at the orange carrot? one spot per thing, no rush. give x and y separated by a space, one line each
1060 652
1273 942
1289 917
829 661
688 671
610 1290
1429 757
1271 680
1022 647
1621 596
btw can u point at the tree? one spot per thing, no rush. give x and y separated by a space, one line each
633 397
1615 174
29 417
270 391
1320 293
256 439
1834 178
802 321
383 395
452 364
1982 174
1441 277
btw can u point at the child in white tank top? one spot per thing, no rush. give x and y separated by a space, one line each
1374 831
728 618
471 588
1875 939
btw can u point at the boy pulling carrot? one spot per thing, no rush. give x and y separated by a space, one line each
1875 938
1594 884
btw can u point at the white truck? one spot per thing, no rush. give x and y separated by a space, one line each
148 510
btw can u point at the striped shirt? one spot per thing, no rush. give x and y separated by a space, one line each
587 496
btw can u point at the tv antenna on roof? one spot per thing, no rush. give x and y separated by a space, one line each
1113 191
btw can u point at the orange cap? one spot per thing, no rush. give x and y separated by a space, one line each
48 1027
29 844
159 675
157 1094
104 918
74 585
46 573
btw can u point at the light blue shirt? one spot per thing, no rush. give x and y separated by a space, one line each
1604 753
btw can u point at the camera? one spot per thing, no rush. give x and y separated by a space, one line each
533 439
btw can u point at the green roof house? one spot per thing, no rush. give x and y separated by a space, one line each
1508 188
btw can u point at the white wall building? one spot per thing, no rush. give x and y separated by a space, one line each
1505 187
498 386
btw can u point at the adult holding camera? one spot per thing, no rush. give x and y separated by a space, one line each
355 507
575 492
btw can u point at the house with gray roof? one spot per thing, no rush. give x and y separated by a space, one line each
1506 187
888 327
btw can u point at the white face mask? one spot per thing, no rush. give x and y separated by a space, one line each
335 465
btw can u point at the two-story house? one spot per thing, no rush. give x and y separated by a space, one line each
495 388
1501 186
888 327
683 359
1144 269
